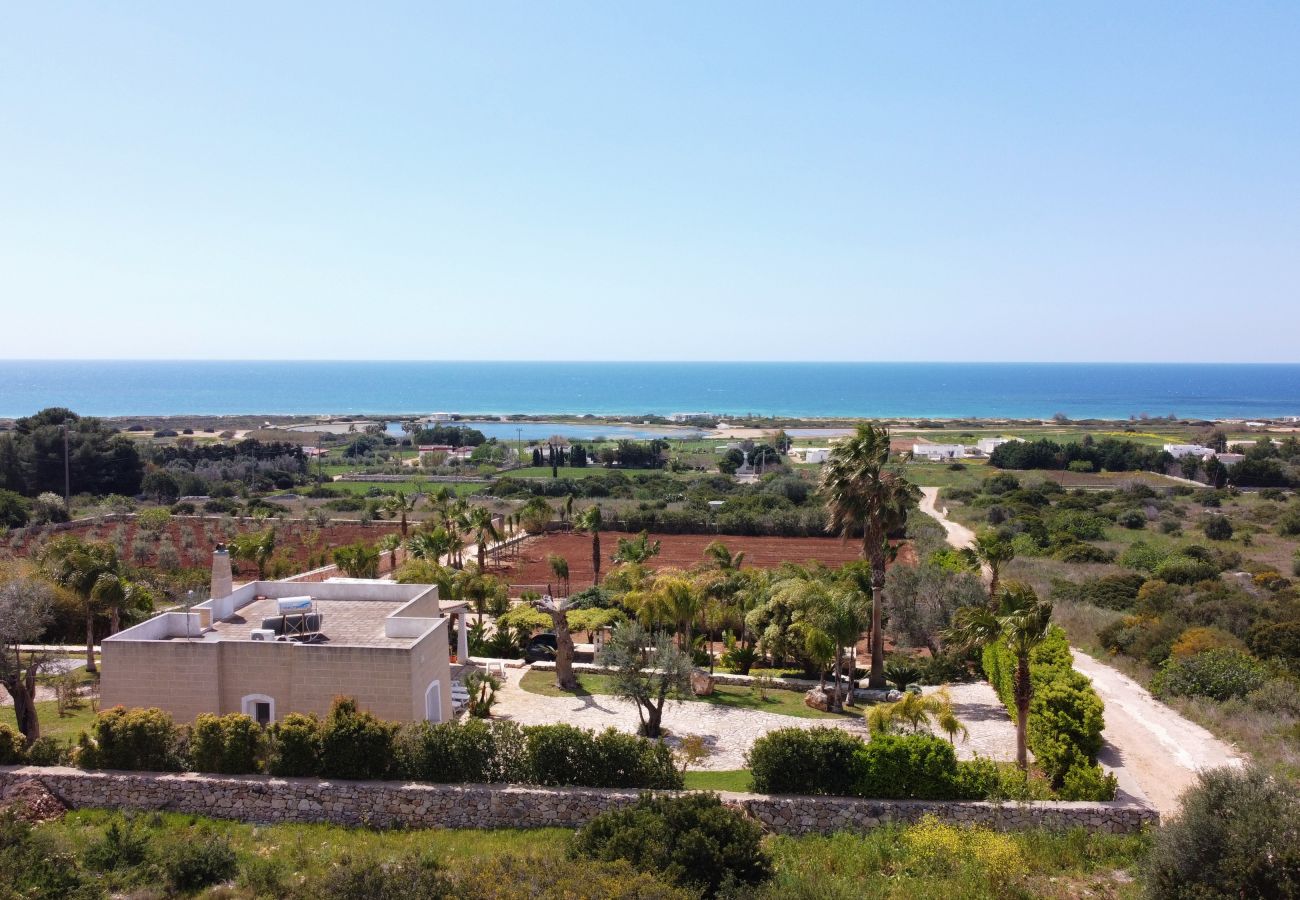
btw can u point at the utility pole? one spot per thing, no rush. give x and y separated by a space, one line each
67 470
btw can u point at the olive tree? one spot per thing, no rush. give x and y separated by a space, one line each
26 605
649 669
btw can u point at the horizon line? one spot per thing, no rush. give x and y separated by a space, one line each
737 362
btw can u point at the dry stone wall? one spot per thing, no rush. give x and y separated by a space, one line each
252 798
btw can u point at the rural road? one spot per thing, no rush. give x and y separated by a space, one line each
1154 751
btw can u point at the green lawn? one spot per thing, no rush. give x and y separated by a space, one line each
740 780
786 703
52 724
584 472
406 487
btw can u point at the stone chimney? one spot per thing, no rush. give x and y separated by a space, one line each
223 583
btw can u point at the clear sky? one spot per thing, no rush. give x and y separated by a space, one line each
857 181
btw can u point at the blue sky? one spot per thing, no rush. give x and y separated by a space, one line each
1101 181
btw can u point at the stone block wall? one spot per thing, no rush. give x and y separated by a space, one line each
260 799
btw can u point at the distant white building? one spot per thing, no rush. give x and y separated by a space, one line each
939 452
1229 459
811 454
988 445
435 418
1178 451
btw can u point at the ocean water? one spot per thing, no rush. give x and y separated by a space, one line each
1018 390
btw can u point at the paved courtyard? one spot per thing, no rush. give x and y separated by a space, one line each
729 733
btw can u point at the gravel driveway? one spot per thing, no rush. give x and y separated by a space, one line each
729 733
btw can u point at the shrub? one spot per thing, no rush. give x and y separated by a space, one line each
913 766
805 761
49 751
982 855
410 878
198 861
1217 528
1065 713
122 846
1088 782
1276 640
1142 556
473 752
1197 640
690 840
1277 695
355 744
565 755
1132 518
295 747
229 745
613 880
1185 570
1218 674
1237 836
137 739
11 746
1289 524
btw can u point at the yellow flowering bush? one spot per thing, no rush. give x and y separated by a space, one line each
972 851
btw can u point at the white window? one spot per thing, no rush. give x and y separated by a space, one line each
260 707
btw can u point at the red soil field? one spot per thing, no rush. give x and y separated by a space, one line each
194 538
681 551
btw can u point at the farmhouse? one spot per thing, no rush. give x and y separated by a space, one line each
939 452
811 454
1178 451
273 647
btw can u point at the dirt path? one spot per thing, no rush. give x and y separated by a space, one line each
1154 751
958 535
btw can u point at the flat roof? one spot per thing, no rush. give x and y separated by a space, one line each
354 623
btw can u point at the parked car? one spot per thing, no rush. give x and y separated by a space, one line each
541 648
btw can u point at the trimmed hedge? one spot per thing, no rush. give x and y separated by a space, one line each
833 762
351 743
1065 713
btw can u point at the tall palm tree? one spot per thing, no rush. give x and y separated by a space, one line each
863 496
483 524
430 544
990 550
560 569
255 546
1021 621
399 504
589 520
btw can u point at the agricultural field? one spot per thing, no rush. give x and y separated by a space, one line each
530 566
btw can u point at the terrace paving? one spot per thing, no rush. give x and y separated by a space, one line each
354 623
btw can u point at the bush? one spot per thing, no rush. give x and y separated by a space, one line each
1186 570
473 752
1198 640
228 745
49 751
123 846
1276 640
136 739
565 755
1218 674
805 761
1088 782
355 744
1132 518
11 746
410 878
979 854
1065 713
1217 528
691 840
1237 836
295 747
913 766
198 861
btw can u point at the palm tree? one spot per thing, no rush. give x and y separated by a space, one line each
359 560
990 550
723 557
398 504
483 524
79 566
589 520
861 495
560 569
639 549
558 608
392 543
255 546
431 544
1021 621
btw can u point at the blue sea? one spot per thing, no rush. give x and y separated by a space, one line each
940 390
